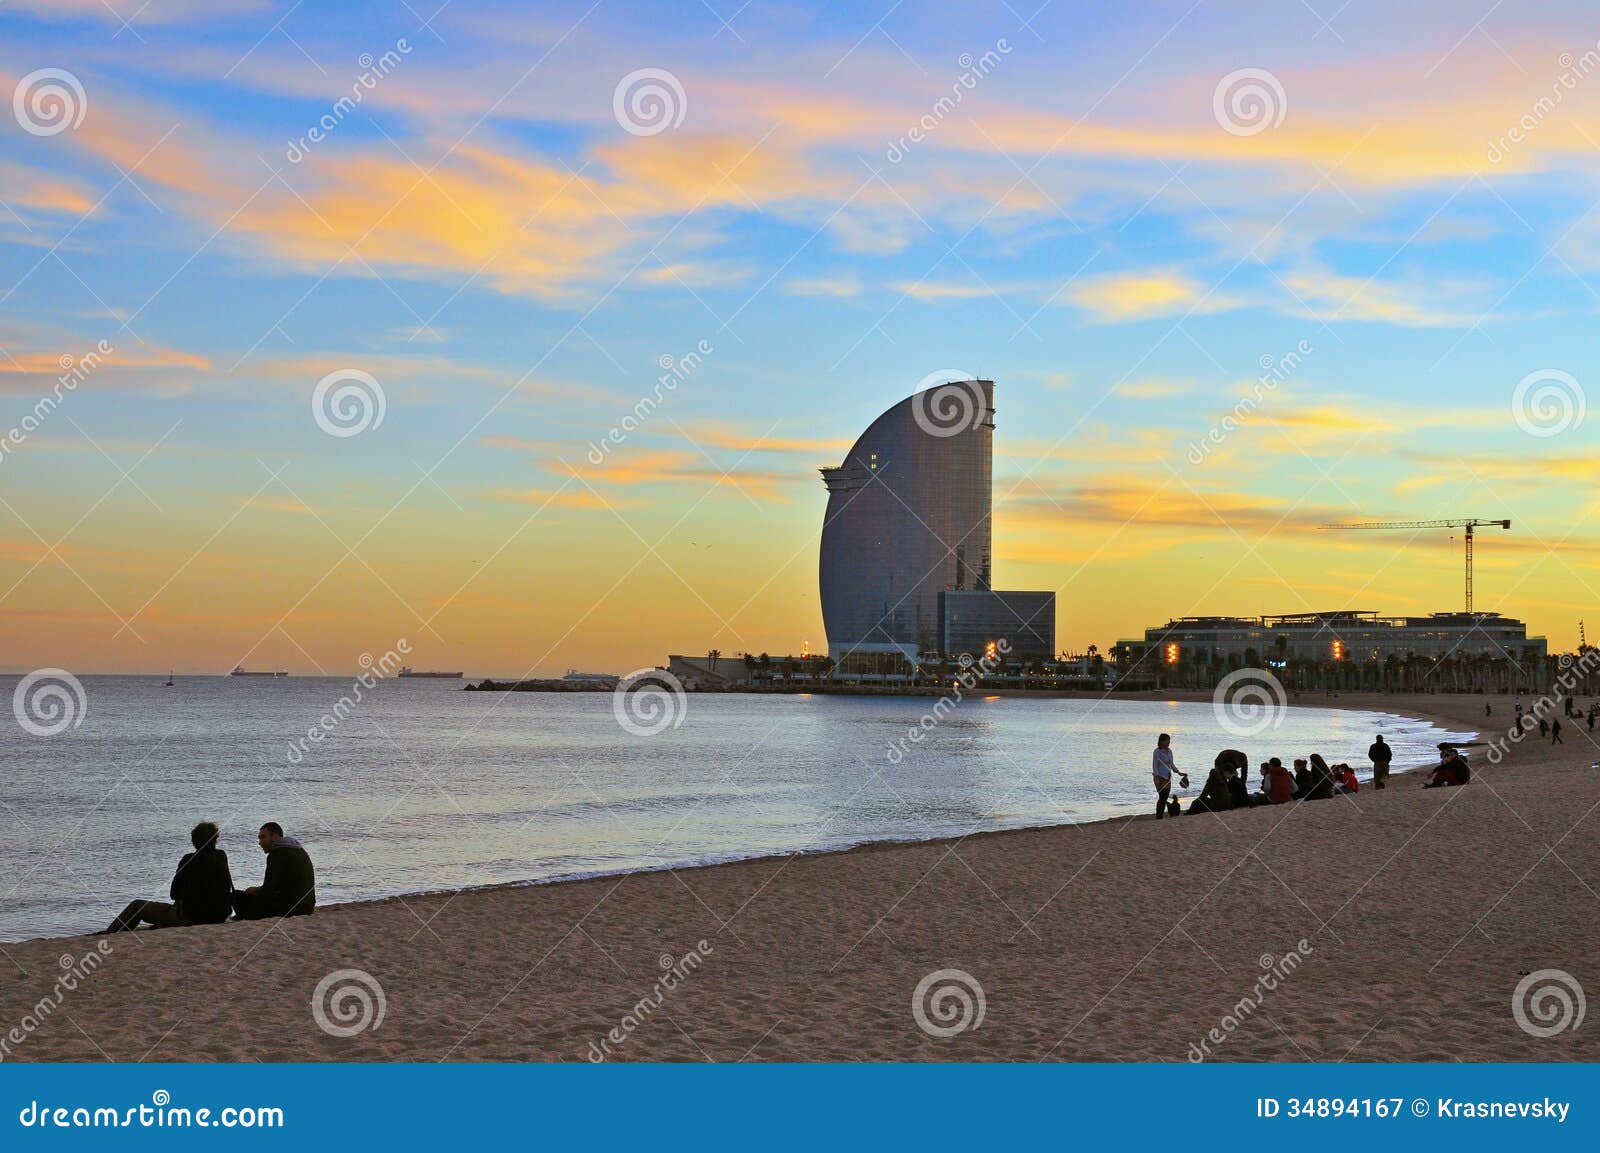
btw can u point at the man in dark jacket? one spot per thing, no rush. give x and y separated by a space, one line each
202 889
1380 754
290 886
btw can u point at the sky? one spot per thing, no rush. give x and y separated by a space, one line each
518 332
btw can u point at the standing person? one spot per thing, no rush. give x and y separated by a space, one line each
1161 770
290 886
201 891
1544 727
1555 731
1487 710
1380 755
1519 714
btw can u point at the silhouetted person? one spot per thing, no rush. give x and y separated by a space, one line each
1555 732
1321 779
290 886
201 891
1380 755
1302 779
1451 770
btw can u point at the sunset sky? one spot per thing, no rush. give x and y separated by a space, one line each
511 249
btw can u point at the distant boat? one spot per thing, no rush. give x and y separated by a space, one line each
575 675
408 671
241 671
170 681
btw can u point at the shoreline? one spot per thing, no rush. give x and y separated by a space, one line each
740 858
1414 913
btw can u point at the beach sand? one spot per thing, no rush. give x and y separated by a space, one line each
1123 940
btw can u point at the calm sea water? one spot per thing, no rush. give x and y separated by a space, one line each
424 787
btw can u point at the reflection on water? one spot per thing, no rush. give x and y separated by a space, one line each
424 786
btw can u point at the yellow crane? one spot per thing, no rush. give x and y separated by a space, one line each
1467 523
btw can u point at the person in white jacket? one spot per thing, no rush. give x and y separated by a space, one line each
1162 769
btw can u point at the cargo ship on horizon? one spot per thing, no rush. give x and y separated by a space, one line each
408 671
241 671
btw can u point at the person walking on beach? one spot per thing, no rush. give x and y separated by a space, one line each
290 886
1519 714
1161 770
201 890
1555 731
1380 755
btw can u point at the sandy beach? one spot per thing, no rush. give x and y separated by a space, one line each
1419 912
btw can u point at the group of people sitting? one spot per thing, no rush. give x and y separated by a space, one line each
1312 779
202 889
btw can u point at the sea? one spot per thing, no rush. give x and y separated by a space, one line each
415 785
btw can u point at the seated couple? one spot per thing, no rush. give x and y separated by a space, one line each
1451 770
202 889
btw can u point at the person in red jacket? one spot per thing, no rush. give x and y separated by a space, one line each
1280 783
1346 777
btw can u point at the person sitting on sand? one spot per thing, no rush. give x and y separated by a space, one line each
1302 779
1321 779
1451 770
1215 797
1280 787
290 886
201 891
1344 779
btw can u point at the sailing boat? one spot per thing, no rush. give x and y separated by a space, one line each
169 679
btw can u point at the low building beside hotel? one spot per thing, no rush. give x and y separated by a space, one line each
1190 647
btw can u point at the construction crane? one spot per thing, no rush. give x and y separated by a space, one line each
1467 523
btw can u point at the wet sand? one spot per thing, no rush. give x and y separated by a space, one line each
1420 912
